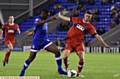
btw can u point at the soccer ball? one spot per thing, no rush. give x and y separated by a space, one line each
72 73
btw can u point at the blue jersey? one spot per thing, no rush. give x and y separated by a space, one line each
40 37
40 32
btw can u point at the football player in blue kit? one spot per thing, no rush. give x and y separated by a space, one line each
41 41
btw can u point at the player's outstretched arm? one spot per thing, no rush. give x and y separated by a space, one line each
52 18
28 33
100 39
63 17
47 20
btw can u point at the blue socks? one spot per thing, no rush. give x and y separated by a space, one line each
26 64
59 64
58 61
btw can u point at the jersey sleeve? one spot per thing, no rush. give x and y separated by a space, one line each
74 19
92 30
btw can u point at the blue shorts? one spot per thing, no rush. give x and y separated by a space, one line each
38 45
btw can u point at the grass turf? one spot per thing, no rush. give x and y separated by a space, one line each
97 66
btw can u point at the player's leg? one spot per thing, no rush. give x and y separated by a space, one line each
66 55
54 49
27 62
34 49
7 53
81 61
67 51
80 52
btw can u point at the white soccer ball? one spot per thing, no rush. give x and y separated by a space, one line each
72 73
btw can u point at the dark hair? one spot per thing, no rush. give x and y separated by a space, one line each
45 11
89 12
44 14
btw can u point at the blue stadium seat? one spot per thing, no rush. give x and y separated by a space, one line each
103 22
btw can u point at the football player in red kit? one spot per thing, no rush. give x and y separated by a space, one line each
9 31
75 37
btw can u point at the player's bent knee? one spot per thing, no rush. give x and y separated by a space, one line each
53 48
10 47
57 54
66 53
80 54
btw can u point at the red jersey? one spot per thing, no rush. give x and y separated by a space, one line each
9 31
77 30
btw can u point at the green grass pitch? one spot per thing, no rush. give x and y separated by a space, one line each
97 66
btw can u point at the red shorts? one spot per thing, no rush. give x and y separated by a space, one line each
73 45
8 41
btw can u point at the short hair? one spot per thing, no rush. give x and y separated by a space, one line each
89 12
11 16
